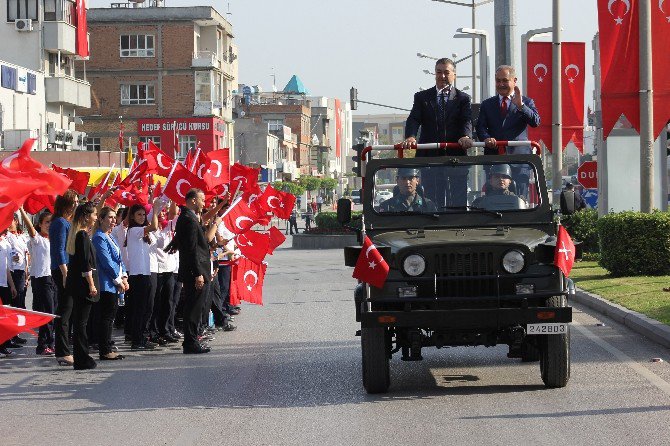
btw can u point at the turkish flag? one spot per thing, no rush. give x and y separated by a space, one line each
247 280
239 217
276 239
371 266
16 320
279 203
101 187
13 194
219 167
79 179
155 156
253 245
660 42
564 256
573 75
242 178
81 38
35 203
619 36
191 159
179 183
137 173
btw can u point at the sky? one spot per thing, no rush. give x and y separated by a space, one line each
372 44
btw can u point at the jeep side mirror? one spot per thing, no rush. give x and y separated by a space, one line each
343 211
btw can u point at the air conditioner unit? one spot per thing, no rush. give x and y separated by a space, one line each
23 24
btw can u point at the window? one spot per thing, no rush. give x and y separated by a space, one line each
154 139
186 143
137 94
21 9
64 66
203 86
275 124
137 45
60 10
93 144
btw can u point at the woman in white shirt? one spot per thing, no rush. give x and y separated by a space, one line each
138 244
44 288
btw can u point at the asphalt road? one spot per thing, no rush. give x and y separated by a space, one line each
290 375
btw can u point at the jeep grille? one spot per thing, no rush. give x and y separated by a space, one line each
465 268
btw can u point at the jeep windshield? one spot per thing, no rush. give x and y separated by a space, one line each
492 188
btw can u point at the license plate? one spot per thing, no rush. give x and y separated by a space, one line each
546 328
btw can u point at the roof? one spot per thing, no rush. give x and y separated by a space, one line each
296 86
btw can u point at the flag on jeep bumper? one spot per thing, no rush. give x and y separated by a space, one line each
564 256
371 267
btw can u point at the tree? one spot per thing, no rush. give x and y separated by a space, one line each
310 183
286 186
328 184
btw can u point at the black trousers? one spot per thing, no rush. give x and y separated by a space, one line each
194 300
80 312
162 303
209 302
293 225
142 297
64 310
107 310
44 300
176 294
19 278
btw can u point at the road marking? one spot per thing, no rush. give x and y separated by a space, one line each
650 376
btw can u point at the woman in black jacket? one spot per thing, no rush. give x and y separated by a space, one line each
82 280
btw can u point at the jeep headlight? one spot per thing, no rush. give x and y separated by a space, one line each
414 265
513 261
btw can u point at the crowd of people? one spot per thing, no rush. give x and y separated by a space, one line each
136 268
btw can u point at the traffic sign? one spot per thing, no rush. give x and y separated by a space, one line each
590 197
587 174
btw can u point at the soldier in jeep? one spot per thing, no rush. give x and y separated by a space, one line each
408 194
499 183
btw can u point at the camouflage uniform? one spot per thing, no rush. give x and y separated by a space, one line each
398 203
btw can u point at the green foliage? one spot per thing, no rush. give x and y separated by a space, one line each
328 220
310 183
582 226
286 186
328 183
634 243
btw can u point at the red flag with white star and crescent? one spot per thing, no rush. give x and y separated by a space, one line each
247 281
16 320
564 255
371 266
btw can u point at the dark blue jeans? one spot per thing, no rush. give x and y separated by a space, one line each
44 300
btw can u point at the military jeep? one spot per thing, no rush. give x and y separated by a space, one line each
471 261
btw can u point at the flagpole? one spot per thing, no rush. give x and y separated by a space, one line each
174 166
646 110
23 310
556 129
195 159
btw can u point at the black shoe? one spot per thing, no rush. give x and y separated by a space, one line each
143 346
87 366
229 327
19 340
111 357
12 344
176 334
196 350
160 340
6 352
170 339
94 347
233 312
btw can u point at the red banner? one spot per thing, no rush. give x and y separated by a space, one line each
82 30
660 32
538 87
619 62
573 75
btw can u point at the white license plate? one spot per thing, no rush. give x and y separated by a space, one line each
546 328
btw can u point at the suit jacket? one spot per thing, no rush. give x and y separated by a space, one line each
511 128
82 261
109 261
424 114
194 258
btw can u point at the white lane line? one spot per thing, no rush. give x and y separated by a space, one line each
650 376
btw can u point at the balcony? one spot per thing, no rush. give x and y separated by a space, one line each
68 90
59 36
206 108
205 59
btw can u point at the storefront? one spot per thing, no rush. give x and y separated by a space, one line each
186 133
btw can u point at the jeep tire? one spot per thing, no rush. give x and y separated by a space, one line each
374 348
555 352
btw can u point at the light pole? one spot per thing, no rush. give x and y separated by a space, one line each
470 33
473 5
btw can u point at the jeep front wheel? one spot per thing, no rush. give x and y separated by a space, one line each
555 352
376 375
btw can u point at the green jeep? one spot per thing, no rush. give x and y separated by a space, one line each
470 245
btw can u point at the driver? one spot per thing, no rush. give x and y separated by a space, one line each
407 196
500 179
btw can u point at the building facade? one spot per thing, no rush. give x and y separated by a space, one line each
42 90
164 74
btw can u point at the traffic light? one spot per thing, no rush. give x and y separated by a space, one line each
353 98
357 159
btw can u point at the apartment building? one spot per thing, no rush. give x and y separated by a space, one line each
165 73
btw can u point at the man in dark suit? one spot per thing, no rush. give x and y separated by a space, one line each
443 114
195 267
506 117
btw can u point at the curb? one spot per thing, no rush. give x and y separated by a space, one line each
644 325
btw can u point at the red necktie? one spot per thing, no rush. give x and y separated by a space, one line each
503 107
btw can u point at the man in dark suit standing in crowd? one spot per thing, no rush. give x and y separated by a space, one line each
195 267
506 117
443 114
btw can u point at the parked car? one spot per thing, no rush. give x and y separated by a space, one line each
356 196
382 196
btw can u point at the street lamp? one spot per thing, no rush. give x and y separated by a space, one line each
426 56
473 5
470 33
